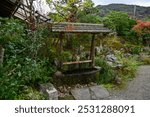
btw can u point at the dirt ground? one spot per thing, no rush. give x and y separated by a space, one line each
137 89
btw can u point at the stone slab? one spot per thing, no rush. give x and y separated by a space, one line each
81 93
90 93
49 90
99 92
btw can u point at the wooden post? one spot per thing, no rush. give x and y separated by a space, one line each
60 50
92 54
1 55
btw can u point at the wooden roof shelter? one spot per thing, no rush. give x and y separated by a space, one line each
24 10
66 27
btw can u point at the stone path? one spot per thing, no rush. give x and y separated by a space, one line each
90 93
138 88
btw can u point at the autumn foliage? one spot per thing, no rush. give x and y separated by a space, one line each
143 31
142 27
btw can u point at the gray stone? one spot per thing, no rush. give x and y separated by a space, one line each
98 49
99 92
118 80
97 67
127 55
111 57
81 94
58 74
118 66
90 93
49 90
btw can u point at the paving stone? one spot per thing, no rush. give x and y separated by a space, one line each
99 92
90 93
81 93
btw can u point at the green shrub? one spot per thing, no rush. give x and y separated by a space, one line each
119 22
113 43
16 76
31 94
107 73
23 67
129 66
10 30
66 56
135 50
146 60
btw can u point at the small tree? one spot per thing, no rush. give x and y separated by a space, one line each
89 14
68 10
119 22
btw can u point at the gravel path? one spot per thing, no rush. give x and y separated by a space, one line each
138 88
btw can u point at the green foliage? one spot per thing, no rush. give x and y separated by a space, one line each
66 56
31 94
136 49
107 73
10 86
147 18
10 29
146 60
119 22
24 66
133 48
126 65
129 64
16 76
89 15
68 10
88 18
114 43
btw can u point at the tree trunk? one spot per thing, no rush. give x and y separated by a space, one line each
1 55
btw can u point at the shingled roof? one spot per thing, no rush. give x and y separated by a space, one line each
79 28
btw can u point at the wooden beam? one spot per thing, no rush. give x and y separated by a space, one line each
60 49
27 10
92 54
77 62
17 7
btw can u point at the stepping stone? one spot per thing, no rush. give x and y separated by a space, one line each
99 92
90 93
81 93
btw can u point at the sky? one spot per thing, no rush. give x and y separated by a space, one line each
45 8
133 2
